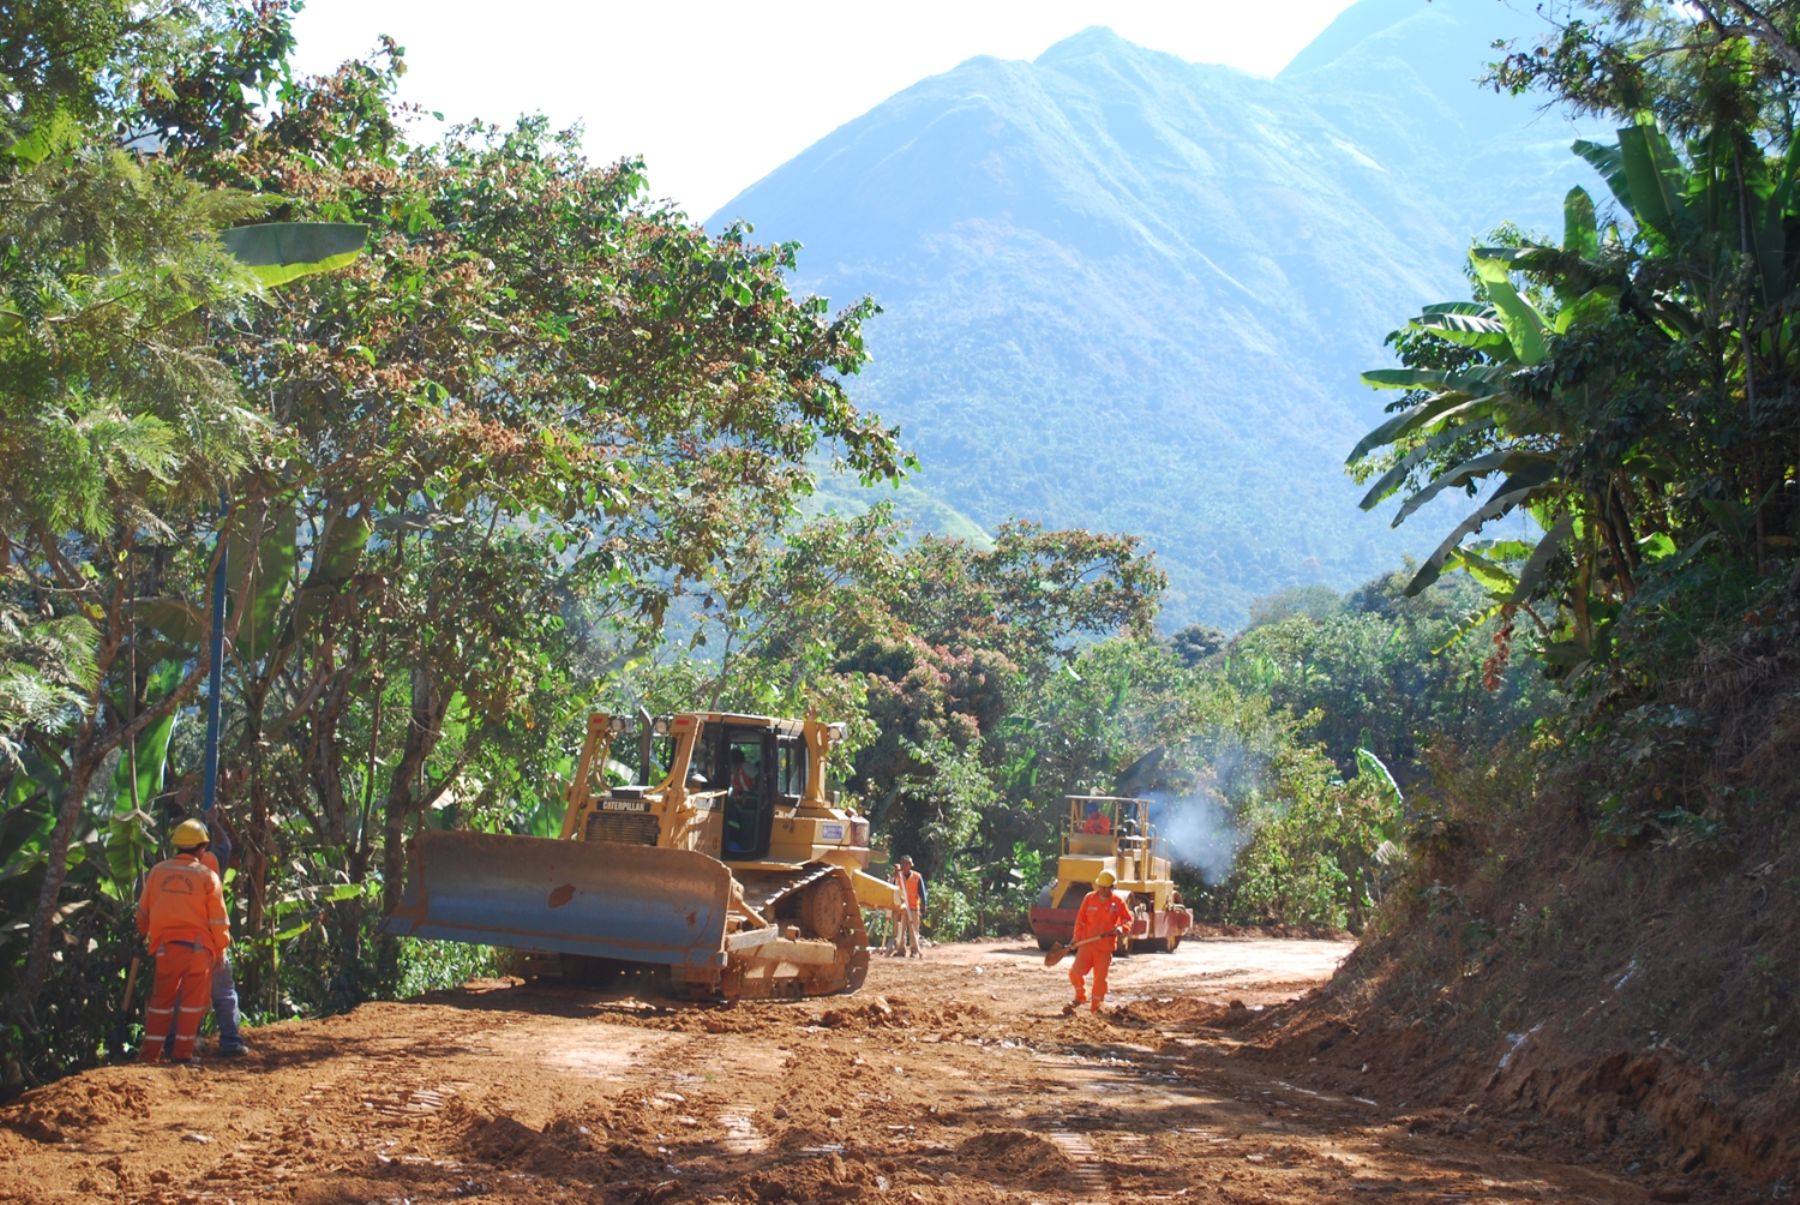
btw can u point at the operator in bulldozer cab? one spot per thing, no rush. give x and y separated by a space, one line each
744 804
743 778
1096 821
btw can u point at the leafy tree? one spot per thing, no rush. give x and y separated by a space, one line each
618 424
1389 671
120 419
513 430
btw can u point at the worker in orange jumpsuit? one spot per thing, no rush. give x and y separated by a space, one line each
912 903
1102 915
181 914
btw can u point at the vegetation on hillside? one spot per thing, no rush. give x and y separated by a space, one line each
546 446
1607 911
543 445
1129 292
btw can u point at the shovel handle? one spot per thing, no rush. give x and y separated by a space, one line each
1059 951
124 1019
137 960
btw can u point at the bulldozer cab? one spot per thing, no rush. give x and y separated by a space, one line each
742 760
1099 824
753 773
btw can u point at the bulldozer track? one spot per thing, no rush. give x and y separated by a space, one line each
776 885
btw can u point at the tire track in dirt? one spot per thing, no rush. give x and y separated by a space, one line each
951 1079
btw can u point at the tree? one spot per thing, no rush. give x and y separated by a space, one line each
121 421
1631 384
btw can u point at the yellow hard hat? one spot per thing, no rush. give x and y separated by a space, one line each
190 833
1104 879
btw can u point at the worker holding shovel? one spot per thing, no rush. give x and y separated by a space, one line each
1098 922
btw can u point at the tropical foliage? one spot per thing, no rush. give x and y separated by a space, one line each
473 436
1627 389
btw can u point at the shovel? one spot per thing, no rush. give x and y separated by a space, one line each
1058 952
121 1026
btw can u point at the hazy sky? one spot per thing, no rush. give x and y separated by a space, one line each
716 95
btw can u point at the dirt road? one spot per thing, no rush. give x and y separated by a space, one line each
955 1078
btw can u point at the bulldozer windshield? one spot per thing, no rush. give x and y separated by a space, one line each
747 769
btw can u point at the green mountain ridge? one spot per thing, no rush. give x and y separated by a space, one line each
1127 292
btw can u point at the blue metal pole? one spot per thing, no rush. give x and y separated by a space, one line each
210 788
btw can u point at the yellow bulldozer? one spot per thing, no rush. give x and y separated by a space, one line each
734 871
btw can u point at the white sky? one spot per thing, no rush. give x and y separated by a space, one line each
715 95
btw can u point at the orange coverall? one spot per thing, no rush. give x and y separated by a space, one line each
1097 914
182 916
906 917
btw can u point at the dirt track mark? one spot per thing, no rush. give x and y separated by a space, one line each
949 1080
1090 1176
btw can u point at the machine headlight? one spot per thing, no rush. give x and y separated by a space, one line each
616 725
661 726
837 730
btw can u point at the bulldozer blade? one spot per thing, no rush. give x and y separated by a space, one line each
634 903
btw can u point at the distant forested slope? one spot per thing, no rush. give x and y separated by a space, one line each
1128 292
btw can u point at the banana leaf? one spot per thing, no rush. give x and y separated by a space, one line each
1505 460
1581 226
1515 491
1657 184
1491 576
1390 480
271 542
1525 327
1609 162
278 252
130 836
1532 575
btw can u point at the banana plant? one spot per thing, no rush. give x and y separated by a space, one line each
1524 396
1483 417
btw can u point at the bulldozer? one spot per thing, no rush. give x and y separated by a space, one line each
731 871
1106 832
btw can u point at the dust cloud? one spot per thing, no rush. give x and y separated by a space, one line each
1198 831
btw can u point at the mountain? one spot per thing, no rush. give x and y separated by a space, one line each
1128 292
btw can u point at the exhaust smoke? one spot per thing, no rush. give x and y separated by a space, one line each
1198 831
